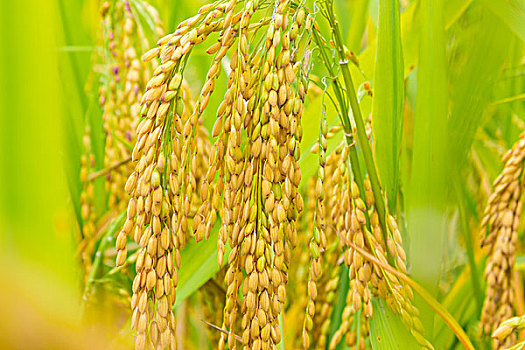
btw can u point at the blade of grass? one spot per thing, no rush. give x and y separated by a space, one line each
362 140
387 107
512 85
460 303
519 97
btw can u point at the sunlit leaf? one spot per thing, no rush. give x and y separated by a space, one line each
387 331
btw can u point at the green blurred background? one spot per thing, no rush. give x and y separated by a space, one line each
46 50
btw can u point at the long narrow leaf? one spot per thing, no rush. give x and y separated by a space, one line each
426 200
198 265
387 108
387 331
511 12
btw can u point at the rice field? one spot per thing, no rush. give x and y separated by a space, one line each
252 174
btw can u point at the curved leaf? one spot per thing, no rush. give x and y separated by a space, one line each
198 264
387 330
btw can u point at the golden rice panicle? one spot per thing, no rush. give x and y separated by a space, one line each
156 279
87 206
299 267
507 328
210 189
213 181
347 319
256 323
268 142
318 241
233 204
203 221
255 258
327 297
162 112
394 242
397 295
343 221
359 269
379 282
164 178
285 132
501 221
121 95
327 283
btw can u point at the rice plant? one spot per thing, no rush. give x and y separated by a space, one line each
251 174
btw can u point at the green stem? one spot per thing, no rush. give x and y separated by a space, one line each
360 126
361 133
476 285
354 160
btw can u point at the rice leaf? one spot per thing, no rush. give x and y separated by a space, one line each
387 107
410 30
511 12
198 264
472 82
427 188
357 25
387 330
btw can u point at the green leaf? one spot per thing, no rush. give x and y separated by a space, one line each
37 251
410 29
427 188
472 82
357 24
387 330
461 304
106 239
387 107
511 13
425 296
198 264
340 302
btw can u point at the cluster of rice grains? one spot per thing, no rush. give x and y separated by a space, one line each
123 80
499 235
345 217
249 176
246 185
87 206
